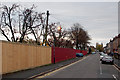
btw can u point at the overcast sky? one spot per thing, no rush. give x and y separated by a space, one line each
100 19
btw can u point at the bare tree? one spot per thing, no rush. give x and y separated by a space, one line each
23 22
31 23
7 21
56 34
67 43
63 43
79 36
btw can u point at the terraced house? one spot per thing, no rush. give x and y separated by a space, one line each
114 45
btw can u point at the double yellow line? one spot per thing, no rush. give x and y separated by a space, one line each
116 67
61 68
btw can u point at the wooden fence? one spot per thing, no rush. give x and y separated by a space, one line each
16 56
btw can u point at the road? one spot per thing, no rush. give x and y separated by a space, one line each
89 67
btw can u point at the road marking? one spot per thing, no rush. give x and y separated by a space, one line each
114 77
61 68
116 68
100 69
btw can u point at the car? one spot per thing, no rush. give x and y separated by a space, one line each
93 52
97 51
79 55
102 55
107 59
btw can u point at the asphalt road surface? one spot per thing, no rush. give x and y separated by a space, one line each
89 67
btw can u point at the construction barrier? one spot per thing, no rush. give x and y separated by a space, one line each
77 51
16 56
84 52
61 54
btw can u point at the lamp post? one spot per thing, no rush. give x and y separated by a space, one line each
59 29
54 50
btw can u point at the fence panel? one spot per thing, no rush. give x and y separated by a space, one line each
62 54
17 56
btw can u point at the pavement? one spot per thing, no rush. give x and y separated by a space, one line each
88 68
31 73
117 62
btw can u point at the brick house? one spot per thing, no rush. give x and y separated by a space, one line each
114 45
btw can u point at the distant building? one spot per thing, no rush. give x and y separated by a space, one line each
92 48
113 45
108 48
99 47
119 43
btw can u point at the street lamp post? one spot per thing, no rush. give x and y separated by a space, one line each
59 29
54 50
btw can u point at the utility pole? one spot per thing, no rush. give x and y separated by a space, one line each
46 29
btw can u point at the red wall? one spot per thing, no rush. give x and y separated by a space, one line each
81 51
84 52
78 51
62 54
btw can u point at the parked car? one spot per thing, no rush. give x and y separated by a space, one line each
79 55
107 59
102 55
93 52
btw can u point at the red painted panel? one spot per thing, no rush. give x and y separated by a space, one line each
62 54
84 52
78 51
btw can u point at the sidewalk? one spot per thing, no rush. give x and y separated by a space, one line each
117 63
26 74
